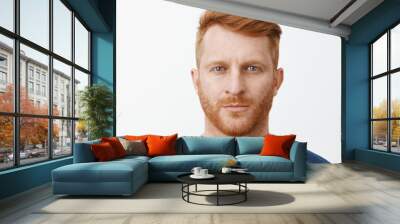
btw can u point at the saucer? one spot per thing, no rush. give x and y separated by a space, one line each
208 176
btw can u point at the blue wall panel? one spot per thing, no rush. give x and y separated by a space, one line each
103 63
102 58
24 178
377 158
357 99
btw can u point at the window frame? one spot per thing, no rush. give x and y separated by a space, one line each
15 72
388 74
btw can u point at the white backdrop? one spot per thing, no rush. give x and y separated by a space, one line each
155 52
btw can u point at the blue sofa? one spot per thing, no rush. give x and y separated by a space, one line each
125 176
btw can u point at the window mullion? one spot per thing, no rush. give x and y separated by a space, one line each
389 113
73 82
16 84
371 98
50 87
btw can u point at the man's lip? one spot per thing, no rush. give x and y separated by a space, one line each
235 107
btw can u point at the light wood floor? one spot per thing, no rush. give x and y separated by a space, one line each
378 188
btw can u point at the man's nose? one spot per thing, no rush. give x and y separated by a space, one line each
235 85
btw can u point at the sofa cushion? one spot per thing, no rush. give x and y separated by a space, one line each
132 158
103 152
111 171
83 152
195 145
134 147
257 163
161 145
249 145
185 163
116 145
277 145
136 137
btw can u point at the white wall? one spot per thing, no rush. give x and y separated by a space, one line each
155 52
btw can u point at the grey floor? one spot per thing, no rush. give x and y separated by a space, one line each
377 188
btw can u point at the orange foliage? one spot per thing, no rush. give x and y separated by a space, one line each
34 130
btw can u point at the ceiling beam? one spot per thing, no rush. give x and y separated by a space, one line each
346 12
283 18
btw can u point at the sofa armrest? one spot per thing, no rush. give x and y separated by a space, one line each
298 155
83 152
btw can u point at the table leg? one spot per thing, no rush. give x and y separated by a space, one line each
188 190
217 194
245 193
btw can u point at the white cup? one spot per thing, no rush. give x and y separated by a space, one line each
226 170
203 172
196 171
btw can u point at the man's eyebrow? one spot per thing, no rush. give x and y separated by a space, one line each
216 62
255 61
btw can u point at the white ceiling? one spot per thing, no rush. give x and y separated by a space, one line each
321 9
327 16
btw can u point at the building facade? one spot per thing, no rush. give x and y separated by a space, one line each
34 81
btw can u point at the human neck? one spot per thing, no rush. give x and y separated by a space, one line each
260 129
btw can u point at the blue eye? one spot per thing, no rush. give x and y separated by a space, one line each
252 68
217 69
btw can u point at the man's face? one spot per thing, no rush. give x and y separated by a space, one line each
236 80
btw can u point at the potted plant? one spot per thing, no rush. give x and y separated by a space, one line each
96 102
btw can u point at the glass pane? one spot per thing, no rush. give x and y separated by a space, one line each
62 138
6 74
81 81
81 131
34 97
35 21
379 135
7 14
379 97
395 47
33 139
81 45
62 89
6 142
395 136
395 94
62 29
379 55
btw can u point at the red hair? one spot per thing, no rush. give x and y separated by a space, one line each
246 26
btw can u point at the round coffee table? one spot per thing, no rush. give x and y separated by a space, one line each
238 179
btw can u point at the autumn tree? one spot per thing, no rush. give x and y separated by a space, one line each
6 122
380 127
33 131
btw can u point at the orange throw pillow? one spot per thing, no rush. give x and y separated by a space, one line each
103 151
136 137
116 145
161 145
275 145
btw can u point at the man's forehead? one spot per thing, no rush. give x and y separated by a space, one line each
220 43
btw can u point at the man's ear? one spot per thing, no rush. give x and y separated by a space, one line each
195 79
278 80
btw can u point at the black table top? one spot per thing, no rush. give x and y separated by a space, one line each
220 178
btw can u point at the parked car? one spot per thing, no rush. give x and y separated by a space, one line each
57 152
22 155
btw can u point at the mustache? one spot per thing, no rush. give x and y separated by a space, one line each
234 100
